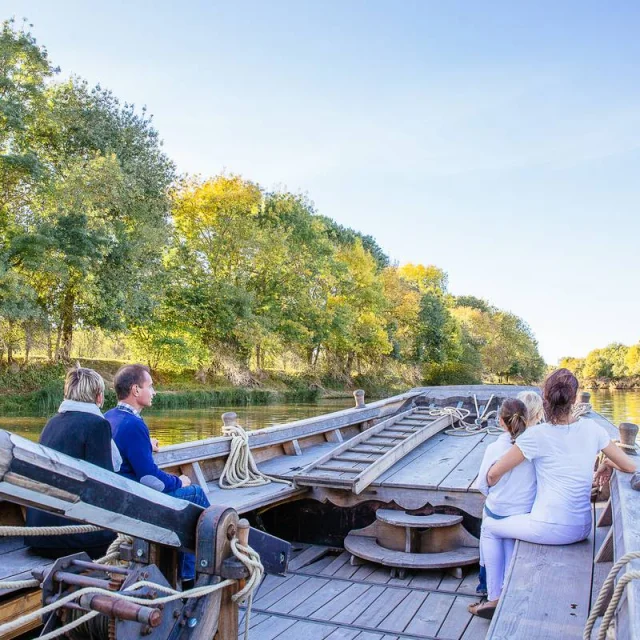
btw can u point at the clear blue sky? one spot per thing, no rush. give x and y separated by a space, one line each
497 140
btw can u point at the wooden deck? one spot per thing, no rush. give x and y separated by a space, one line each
329 598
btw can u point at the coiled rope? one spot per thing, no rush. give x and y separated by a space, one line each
240 469
615 598
464 428
245 554
581 409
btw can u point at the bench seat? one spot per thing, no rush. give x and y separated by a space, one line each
547 593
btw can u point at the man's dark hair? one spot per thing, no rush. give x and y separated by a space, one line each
126 377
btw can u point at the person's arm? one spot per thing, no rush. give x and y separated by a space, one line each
618 459
509 460
141 460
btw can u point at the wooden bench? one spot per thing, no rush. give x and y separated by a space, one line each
546 594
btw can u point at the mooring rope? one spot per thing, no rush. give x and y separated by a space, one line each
244 553
596 610
240 469
48 531
581 409
460 416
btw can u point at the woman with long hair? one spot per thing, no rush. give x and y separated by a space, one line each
563 451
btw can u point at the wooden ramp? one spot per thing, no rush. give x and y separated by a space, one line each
356 463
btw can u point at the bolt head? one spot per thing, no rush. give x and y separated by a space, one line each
139 553
192 622
204 563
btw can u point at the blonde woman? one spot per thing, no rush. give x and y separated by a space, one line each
533 402
79 430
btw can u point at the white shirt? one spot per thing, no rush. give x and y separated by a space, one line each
563 456
515 492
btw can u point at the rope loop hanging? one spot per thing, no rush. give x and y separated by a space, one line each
460 415
240 469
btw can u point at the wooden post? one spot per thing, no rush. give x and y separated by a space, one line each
228 624
585 397
230 419
628 434
359 396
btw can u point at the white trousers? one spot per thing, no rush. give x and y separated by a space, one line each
498 538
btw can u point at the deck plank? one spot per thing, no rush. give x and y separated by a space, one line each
386 602
340 561
430 469
281 591
343 633
271 628
466 471
304 630
342 600
477 629
306 557
246 499
429 617
359 605
402 615
456 621
320 598
298 595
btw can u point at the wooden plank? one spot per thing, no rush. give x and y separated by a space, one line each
247 499
550 583
358 606
341 560
465 472
381 575
308 556
197 472
264 601
605 552
429 617
430 469
386 602
426 580
292 448
364 571
272 627
334 436
19 606
449 583
340 601
269 583
402 615
604 519
342 633
457 620
469 582
366 458
320 598
298 595
304 630
477 629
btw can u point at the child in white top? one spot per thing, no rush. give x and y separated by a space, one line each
516 491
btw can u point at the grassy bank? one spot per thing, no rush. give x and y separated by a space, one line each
38 388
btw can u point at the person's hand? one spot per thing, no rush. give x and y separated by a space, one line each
155 444
602 474
186 481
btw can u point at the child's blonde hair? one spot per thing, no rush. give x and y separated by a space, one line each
533 402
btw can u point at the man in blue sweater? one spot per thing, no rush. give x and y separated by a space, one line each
134 390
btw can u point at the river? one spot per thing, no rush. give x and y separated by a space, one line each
182 425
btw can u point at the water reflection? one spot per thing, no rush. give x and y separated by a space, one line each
182 425
617 406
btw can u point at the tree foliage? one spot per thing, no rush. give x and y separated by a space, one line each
210 273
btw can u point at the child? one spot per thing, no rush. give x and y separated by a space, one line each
515 492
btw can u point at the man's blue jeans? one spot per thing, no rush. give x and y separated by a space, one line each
196 495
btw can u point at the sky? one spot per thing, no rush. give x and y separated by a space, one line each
499 141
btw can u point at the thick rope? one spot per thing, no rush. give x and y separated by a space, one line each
20 584
596 610
112 557
581 409
464 428
248 556
240 469
48 531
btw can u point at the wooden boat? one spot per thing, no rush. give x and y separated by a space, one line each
383 519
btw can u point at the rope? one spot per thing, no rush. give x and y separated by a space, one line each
20 584
48 531
465 428
240 469
581 409
596 610
112 557
248 556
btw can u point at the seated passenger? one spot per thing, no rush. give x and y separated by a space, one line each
134 390
79 430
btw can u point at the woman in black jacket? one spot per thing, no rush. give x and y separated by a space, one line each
78 430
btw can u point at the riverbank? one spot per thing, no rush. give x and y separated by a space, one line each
38 388
631 383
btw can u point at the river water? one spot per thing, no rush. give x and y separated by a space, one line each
182 425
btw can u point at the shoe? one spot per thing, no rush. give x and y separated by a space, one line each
483 609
